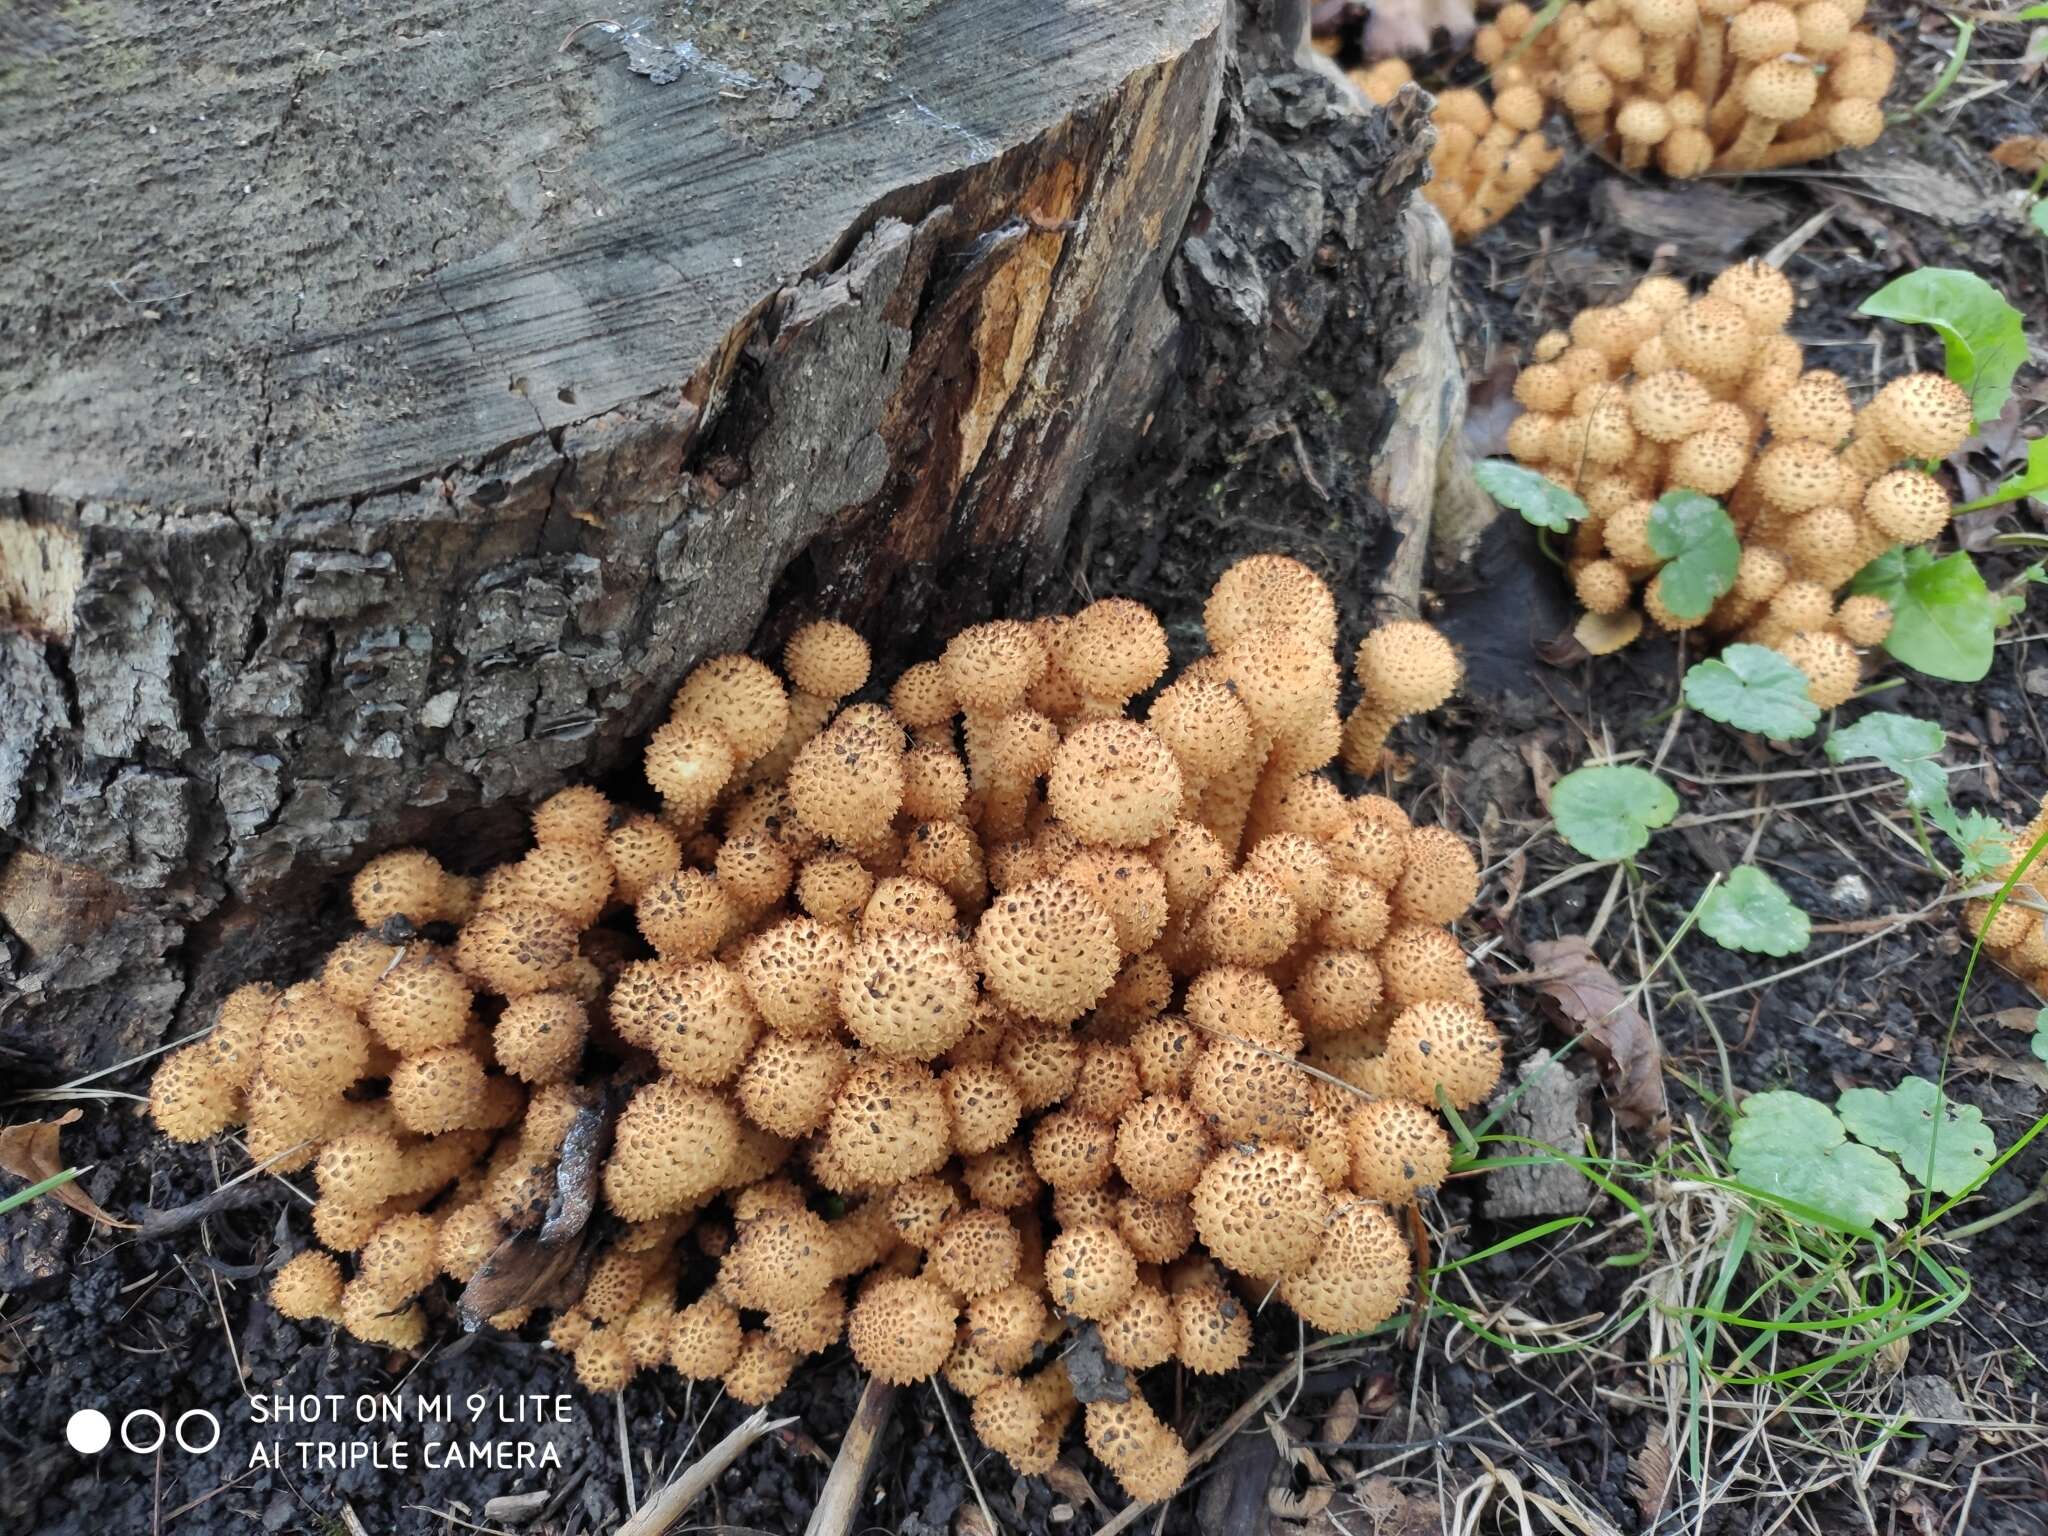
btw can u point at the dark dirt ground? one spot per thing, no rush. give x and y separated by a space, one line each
90 1319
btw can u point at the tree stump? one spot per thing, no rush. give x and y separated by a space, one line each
408 401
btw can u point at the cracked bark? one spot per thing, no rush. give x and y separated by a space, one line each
281 596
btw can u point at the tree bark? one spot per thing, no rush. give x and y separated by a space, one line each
384 455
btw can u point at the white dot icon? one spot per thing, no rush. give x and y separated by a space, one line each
88 1431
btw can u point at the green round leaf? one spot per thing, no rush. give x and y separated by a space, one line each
1788 1145
1943 1144
1540 500
1607 812
1751 912
1909 747
1943 616
1697 541
1753 688
2040 1042
1982 334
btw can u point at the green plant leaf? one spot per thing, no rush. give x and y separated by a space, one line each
1753 688
1751 912
1541 500
1907 746
1984 337
1789 1145
1607 812
2037 211
1943 617
1943 1144
2031 481
1696 540
1980 840
2040 1041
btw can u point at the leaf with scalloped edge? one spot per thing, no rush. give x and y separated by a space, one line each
1751 912
1788 1145
1753 688
1542 502
1943 1144
1607 812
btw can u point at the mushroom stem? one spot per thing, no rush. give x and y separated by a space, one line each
1660 68
1728 109
1707 62
1591 127
1749 146
1811 146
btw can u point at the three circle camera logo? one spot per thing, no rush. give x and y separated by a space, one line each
143 1431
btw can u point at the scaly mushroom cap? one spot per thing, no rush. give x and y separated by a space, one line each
468 1236
539 1037
1602 586
1285 682
1048 950
1113 649
1336 990
1710 337
1858 124
790 1082
1360 1274
1758 289
1204 725
922 697
907 993
517 948
1011 1423
1832 669
1669 406
407 882
641 852
1165 1049
760 1371
1375 850
919 1207
689 764
934 783
1802 605
705 1338
1162 1146
1261 1212
1235 1001
1070 1150
1397 1149
573 878
191 1098
754 870
672 1148
312 1045
1144 1333
811 1328
740 698
902 1328
1358 914
686 917
1908 505
352 968
308 1287
793 971
439 1090
988 668
698 1020
1042 1060
1817 408
1158 1231
398 1258
1108 1082
1090 1271
1214 1328
783 1259
1261 591
375 1318
1407 666
1191 861
977 1253
418 1003
827 659
1420 962
1115 782
890 1123
1441 880
1248 920
984 1104
1443 1047
847 781
1864 620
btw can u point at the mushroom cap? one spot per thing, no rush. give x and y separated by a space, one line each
1759 573
1360 1274
518 948
977 1253
578 815
1115 782
641 852
1158 1231
308 1286
1780 90
1165 1048
351 969
442 1089
1710 336
1544 387
1192 861
1864 620
1833 671
312 1044
1687 151
834 888
398 1258
373 1317
1203 724
1762 292
1397 1149
1161 1147
923 696
407 882
705 1338
1001 1177
1668 406
890 1122
740 698
790 1082
1801 605
907 993
689 763
1047 950
1090 1271
1357 916
792 972
1336 990
984 1104
1823 28
1446 1047
754 870
468 1235
827 659
847 781
1108 1082
934 783
1602 586
672 1148
1795 475
1144 1333
988 668
1856 122
1042 1060
759 1372
1004 1325
902 1328
1642 121
419 1002
1763 31
686 917
1264 590
919 1207
1421 962
784 1258
1817 407
1441 878
1923 415
1070 1150
1248 920
191 1097
1213 1329
1113 649
1408 666
1260 1211
1231 1001
1284 680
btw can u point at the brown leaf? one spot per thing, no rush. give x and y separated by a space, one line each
30 1152
522 1271
2027 154
2021 1019
1650 1478
1341 1422
1063 1479
1394 1513
1581 994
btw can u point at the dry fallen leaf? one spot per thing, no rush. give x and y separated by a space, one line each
30 1152
1650 1478
1583 996
2027 154
1394 1513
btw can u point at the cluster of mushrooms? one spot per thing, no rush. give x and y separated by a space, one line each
2017 938
1700 85
955 1025
1487 158
1665 392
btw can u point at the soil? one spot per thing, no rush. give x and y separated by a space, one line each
110 1320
